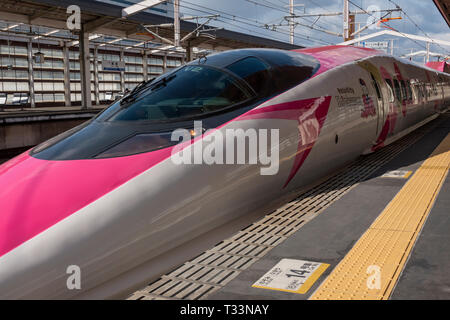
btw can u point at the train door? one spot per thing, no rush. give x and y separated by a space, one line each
379 102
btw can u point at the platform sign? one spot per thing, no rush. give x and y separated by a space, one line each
113 65
398 174
39 58
289 275
377 45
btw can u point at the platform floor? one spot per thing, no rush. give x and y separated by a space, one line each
15 112
333 234
324 224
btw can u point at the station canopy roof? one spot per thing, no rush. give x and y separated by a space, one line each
99 18
444 8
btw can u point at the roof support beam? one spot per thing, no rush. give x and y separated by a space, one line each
424 53
396 34
85 71
444 11
138 7
95 24
22 18
32 19
158 36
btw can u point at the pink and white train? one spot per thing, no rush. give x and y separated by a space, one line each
107 197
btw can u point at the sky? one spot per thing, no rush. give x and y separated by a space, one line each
252 16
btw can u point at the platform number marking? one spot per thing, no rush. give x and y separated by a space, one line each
290 275
399 174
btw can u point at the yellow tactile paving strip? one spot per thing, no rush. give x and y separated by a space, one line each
390 239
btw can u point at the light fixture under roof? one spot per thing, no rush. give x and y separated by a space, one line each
110 42
46 34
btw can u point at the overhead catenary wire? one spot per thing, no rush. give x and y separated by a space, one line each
326 10
404 35
283 10
418 27
245 21
397 6
350 1
244 24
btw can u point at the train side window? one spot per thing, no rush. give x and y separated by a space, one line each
397 90
377 87
414 91
252 70
390 89
409 90
419 92
404 90
3 98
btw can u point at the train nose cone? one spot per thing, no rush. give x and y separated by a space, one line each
36 194
18 188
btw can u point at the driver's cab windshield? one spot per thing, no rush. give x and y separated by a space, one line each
191 91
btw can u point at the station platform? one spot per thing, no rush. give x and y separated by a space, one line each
23 129
45 114
376 230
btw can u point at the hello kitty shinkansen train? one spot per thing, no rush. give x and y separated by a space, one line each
107 197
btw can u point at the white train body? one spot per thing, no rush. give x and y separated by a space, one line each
123 220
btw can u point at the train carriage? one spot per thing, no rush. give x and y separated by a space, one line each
108 197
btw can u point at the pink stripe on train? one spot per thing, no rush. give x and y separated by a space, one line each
36 194
334 56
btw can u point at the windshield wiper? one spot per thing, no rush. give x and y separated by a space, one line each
144 85
136 90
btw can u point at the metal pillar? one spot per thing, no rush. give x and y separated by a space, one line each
165 63
85 72
145 64
176 19
359 34
30 74
189 52
96 85
66 61
122 73
428 52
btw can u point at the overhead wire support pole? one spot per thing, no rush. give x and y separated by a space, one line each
398 33
346 22
196 30
291 18
348 16
291 22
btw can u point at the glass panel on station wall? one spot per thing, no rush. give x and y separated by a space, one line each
155 70
155 60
